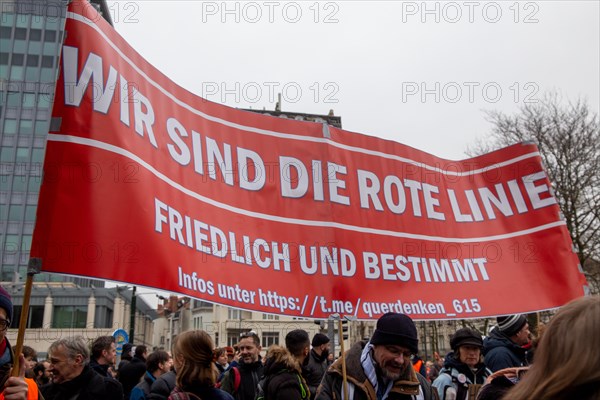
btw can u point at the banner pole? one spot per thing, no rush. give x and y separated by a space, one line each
33 268
344 375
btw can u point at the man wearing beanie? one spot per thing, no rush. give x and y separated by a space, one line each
381 368
503 348
16 388
317 362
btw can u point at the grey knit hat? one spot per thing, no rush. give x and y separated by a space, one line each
511 324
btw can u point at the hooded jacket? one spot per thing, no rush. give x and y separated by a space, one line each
500 352
407 387
283 378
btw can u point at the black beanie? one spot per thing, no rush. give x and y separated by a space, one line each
319 339
6 303
396 329
511 324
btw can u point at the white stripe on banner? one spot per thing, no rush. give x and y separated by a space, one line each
289 136
274 218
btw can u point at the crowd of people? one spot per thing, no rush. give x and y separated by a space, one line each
563 363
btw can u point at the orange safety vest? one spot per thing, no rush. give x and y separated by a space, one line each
417 365
32 390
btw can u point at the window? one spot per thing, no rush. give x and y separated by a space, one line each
233 336
19 183
26 243
44 100
13 99
35 318
21 33
7 154
50 36
234 313
47 61
26 127
5 32
10 126
69 317
35 34
269 339
103 317
33 60
28 99
18 59
270 317
22 153
15 213
30 213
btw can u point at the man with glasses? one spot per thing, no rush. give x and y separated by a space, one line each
11 388
380 368
506 346
73 378
241 381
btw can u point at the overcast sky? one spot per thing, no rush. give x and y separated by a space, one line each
417 73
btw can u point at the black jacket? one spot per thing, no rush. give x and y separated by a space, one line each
282 383
250 374
162 386
314 371
131 373
89 385
500 352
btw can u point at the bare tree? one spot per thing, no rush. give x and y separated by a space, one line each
568 137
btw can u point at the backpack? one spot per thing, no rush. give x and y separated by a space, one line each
237 379
261 392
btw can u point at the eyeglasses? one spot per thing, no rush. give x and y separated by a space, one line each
4 323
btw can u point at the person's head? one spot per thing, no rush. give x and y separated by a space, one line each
467 344
104 350
320 344
515 327
282 356
220 356
141 351
158 362
230 353
567 360
30 357
192 357
298 344
126 354
67 358
6 310
249 347
41 373
394 341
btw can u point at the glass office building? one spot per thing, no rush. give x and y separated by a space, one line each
31 34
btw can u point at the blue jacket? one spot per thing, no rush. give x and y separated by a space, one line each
142 389
500 352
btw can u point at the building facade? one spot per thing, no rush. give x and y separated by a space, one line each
59 309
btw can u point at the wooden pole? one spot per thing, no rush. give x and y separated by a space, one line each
33 268
344 375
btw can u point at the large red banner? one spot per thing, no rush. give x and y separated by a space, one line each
147 183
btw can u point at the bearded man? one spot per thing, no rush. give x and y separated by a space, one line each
381 368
